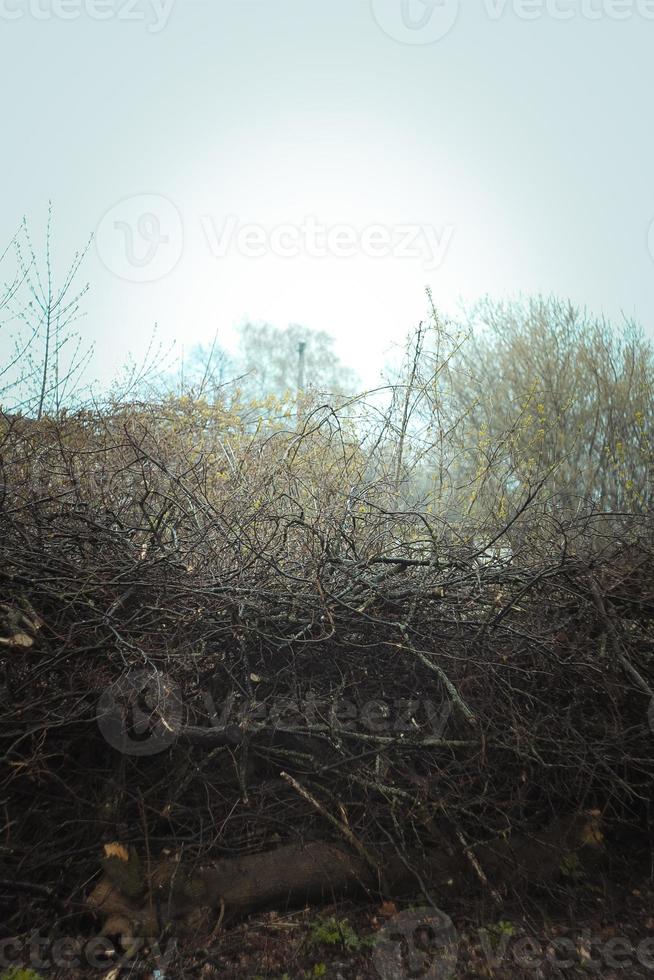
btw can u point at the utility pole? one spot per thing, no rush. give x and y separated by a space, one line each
301 365
301 370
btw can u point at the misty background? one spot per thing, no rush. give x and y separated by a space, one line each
521 141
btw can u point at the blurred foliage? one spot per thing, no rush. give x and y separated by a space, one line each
563 394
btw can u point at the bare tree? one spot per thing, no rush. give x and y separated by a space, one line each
11 372
422 427
205 369
46 373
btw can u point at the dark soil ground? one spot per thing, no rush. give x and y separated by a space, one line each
583 927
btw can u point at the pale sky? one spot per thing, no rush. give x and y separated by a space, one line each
216 146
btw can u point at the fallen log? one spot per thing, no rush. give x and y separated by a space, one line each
136 902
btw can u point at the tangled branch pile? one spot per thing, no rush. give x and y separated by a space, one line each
317 661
